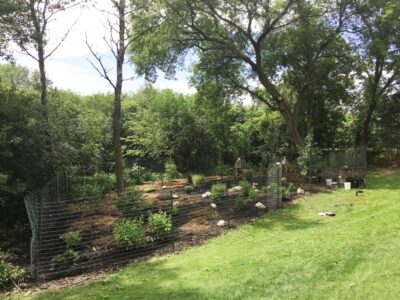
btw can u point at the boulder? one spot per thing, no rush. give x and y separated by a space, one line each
176 203
300 191
213 205
206 195
175 196
255 184
164 187
259 205
234 191
221 223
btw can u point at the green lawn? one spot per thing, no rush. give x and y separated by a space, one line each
289 254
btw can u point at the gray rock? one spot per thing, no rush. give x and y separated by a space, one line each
213 205
221 223
259 205
206 195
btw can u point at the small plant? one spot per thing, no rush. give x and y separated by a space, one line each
160 223
72 238
171 171
224 170
189 178
130 233
240 201
265 189
174 210
131 204
245 187
254 194
286 191
248 175
218 191
189 189
8 273
198 180
67 257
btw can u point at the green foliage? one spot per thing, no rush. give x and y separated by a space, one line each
218 191
130 233
67 257
309 155
248 175
9 273
254 194
286 191
160 223
189 189
131 204
171 171
240 200
224 170
72 238
96 185
198 180
245 187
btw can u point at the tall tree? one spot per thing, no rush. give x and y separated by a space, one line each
376 27
118 42
236 35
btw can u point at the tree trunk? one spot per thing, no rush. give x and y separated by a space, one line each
283 108
363 133
119 167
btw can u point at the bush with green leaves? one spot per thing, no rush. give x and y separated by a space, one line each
286 191
254 194
248 175
72 239
149 190
160 223
94 186
240 200
67 257
9 273
245 187
171 171
218 191
130 233
130 204
309 155
224 170
189 189
198 180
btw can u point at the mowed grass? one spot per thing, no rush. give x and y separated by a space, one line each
288 254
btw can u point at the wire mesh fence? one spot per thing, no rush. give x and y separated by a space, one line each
71 236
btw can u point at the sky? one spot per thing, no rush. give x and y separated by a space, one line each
68 68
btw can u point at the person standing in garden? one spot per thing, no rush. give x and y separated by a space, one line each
238 167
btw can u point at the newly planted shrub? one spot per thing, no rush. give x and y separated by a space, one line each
160 223
130 233
131 204
171 171
72 238
189 189
254 194
67 257
198 179
240 201
218 191
286 191
245 187
9 273
248 175
224 170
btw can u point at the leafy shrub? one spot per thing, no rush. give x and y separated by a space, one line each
136 174
171 171
248 175
67 257
198 179
218 191
189 189
254 194
160 223
96 185
130 204
245 187
287 190
265 189
174 210
240 201
72 238
130 233
224 170
9 273
189 178
309 155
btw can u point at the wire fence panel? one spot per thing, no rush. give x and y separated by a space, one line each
71 236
